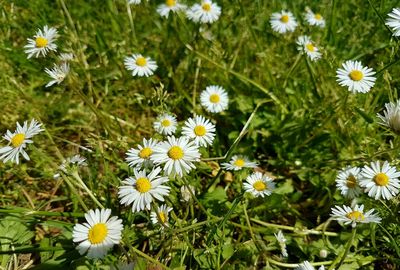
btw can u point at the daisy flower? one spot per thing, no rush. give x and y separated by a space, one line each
170 6
99 234
356 77
214 99
206 12
162 216
66 57
134 2
314 18
57 73
283 22
141 156
347 182
238 162
282 242
177 155
391 116
307 266
354 215
140 65
305 45
165 124
18 141
394 21
200 129
42 43
142 188
259 184
74 161
380 182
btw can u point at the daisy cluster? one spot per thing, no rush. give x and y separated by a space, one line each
174 151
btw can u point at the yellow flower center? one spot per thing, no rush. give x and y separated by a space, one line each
165 123
318 16
141 61
381 179
41 42
351 181
206 7
162 217
285 18
175 152
170 3
356 75
17 139
355 215
310 47
145 153
214 98
97 233
143 184
259 185
199 130
239 162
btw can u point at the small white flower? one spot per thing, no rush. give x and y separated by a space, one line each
141 156
206 12
142 188
305 266
162 216
177 155
380 182
214 99
283 22
391 116
66 57
186 193
347 182
42 43
18 141
200 129
259 184
394 21
356 77
305 45
57 73
354 215
99 234
140 65
314 18
165 124
170 6
134 2
75 160
238 162
282 242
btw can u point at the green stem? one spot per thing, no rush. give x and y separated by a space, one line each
88 191
346 251
295 230
144 255
32 249
28 212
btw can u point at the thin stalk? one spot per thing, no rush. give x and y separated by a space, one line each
129 11
144 255
295 230
393 241
346 251
83 185
28 212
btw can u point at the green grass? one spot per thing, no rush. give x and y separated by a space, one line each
288 114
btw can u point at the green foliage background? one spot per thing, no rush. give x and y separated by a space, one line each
305 129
